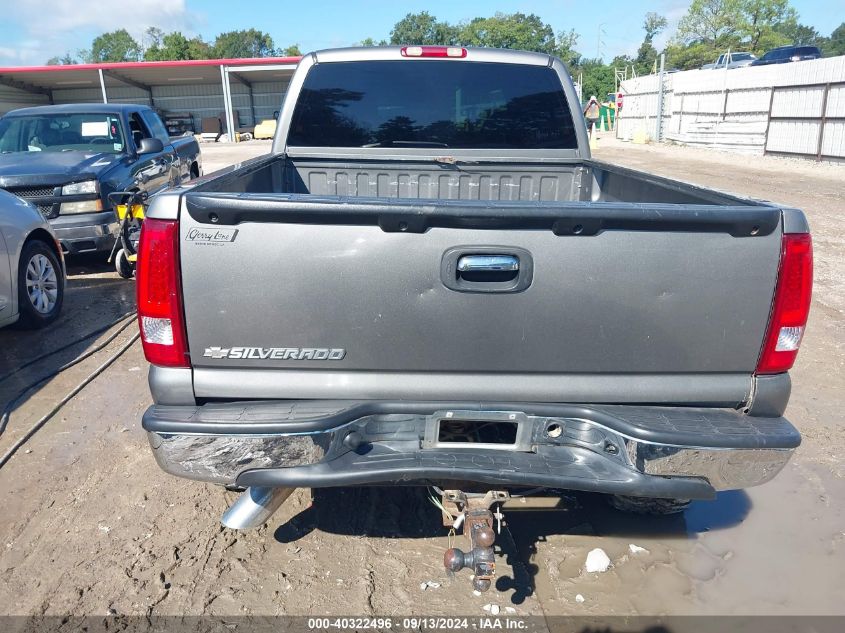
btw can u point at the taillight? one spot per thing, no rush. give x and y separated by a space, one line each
159 290
791 305
433 51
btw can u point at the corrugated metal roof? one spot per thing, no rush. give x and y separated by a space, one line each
203 71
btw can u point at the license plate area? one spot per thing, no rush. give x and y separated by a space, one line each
491 430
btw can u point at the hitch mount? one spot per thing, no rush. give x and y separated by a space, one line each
475 517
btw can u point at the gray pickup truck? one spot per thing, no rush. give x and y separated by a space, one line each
429 281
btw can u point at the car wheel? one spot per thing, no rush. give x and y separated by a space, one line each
41 286
648 505
122 265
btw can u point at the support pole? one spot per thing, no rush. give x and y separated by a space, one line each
227 102
103 85
659 127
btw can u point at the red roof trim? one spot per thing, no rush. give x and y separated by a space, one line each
246 61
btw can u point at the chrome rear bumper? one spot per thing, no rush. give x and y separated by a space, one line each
641 451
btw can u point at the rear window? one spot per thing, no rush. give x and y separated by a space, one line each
415 103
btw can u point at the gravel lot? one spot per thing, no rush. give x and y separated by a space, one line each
90 525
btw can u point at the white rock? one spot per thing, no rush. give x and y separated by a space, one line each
636 549
476 592
423 586
510 609
494 609
597 561
487 607
579 598
433 584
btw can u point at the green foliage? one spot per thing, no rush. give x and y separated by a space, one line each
653 25
515 30
290 51
763 23
62 60
246 43
371 42
502 30
801 34
424 29
174 46
693 55
597 79
116 46
835 44
713 22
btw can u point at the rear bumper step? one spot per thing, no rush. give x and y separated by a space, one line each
642 451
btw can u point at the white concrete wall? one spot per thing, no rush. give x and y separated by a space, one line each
730 109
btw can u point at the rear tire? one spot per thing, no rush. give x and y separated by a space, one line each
648 505
122 265
41 286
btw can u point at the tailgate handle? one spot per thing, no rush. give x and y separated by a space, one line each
486 269
488 263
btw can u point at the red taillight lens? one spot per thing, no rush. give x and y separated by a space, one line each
159 290
790 307
433 51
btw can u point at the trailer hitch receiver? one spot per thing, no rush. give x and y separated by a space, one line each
477 520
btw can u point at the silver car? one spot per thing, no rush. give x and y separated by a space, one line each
731 60
32 269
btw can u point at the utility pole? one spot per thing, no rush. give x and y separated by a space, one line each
659 127
599 42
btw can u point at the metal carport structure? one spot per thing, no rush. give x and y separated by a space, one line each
253 87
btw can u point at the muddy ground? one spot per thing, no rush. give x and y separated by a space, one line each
91 526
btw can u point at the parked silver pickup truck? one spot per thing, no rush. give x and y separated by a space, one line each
429 281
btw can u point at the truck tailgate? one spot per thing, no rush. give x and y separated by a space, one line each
317 293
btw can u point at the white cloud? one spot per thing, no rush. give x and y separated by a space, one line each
72 24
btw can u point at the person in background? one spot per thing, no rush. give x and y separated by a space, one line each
591 113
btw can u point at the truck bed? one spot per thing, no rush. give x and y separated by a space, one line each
563 181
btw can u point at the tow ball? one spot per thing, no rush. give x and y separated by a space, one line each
477 521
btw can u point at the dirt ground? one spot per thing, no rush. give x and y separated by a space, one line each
91 526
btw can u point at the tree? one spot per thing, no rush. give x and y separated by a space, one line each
514 30
371 42
152 38
711 22
290 51
763 23
802 35
835 44
565 49
64 60
175 46
687 56
422 29
116 46
653 24
597 78
247 43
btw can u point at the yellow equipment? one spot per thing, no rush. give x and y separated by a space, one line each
265 129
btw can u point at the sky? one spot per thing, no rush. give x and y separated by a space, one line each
32 31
